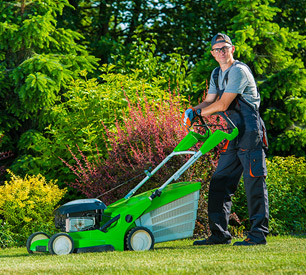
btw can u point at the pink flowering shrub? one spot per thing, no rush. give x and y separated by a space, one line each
148 134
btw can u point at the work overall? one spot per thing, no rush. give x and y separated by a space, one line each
245 155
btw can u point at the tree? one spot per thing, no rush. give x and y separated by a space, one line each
168 72
281 77
37 61
292 16
181 26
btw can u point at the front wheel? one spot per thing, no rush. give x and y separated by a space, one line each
140 239
35 237
61 244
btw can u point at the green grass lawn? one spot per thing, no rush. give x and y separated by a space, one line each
282 255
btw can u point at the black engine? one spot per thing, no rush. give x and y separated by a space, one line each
79 215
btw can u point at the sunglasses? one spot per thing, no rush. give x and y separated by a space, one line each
223 49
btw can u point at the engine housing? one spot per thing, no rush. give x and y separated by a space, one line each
79 215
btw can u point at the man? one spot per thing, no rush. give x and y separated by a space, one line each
233 90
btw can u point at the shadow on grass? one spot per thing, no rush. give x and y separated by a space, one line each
190 247
300 236
174 247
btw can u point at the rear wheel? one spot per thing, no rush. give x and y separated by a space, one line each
140 239
35 237
61 244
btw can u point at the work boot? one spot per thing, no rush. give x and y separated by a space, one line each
211 241
247 242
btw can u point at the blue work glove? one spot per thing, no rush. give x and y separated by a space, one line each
189 116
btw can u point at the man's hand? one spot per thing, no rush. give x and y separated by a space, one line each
189 116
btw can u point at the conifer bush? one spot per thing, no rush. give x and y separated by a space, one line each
26 206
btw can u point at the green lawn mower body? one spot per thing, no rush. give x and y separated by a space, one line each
136 222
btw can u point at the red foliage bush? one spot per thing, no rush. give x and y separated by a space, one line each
147 135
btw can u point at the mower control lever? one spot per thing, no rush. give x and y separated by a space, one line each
227 119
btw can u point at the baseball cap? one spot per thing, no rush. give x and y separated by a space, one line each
226 39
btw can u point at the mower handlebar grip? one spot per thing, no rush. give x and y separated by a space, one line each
226 118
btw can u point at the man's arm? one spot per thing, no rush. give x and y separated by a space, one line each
211 107
210 98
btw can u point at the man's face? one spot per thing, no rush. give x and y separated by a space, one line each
223 52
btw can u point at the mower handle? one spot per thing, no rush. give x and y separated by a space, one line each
210 140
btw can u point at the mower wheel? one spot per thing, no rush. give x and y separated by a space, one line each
140 239
35 237
61 244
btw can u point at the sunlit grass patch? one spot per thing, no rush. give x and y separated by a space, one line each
282 255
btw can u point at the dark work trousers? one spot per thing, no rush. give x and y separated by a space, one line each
236 160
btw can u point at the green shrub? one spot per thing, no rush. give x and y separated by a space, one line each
76 116
169 70
77 121
6 235
286 182
27 206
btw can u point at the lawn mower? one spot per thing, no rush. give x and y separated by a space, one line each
135 222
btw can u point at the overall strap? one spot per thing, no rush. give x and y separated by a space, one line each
220 92
236 62
243 64
216 79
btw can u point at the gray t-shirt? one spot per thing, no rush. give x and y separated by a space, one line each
240 81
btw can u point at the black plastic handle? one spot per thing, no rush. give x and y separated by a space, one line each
203 123
227 119
104 227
